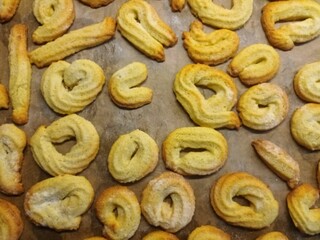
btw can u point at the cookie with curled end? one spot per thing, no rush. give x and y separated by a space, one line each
260 213
305 216
79 156
8 9
160 235
11 226
73 42
173 216
141 25
263 106
305 124
177 5
279 161
207 232
195 150
4 97
118 209
59 202
306 82
123 86
213 48
132 156
69 88
96 3
219 17
215 111
303 17
13 141
255 64
273 236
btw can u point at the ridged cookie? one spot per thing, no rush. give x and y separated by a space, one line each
4 97
11 226
160 235
273 236
207 232
96 3
8 9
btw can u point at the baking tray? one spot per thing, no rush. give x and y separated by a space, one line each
159 118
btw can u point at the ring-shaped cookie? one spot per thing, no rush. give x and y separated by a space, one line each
168 201
160 235
220 17
255 64
55 17
12 143
300 203
207 232
273 236
263 208
306 82
118 209
213 48
305 126
7 9
195 150
303 25
132 156
140 24
80 155
59 202
263 106
69 88
215 111
11 226
96 3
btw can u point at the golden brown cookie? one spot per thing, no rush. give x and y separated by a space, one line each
305 125
306 82
4 98
300 203
255 64
205 150
20 74
213 48
55 17
220 17
262 210
12 143
160 235
208 232
73 42
156 197
95 238
263 106
80 155
11 226
69 88
59 202
123 86
118 209
273 236
96 3
177 5
303 17
140 24
279 161
132 156
215 111
7 9
318 174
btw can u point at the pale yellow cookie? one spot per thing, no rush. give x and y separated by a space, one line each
20 74
255 64
124 87
140 24
215 111
73 42
55 17
160 235
118 209
208 232
300 203
11 226
96 3
177 5
8 9
132 156
279 161
273 236
205 151
12 143
213 48
217 16
260 213
4 98
263 106
306 82
305 126
80 155
159 212
303 17
69 88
